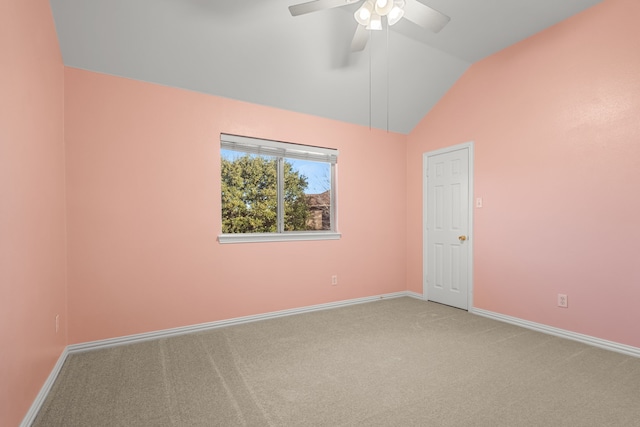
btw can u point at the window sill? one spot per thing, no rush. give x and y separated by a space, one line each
278 237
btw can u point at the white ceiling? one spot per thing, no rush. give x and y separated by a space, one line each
255 51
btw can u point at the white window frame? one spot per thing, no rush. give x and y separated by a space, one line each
283 150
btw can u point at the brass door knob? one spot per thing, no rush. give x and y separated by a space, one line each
462 238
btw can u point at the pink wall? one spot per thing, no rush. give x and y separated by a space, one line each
32 208
144 211
557 142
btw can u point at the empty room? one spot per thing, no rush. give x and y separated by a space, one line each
279 213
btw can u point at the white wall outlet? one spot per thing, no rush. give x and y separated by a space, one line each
57 323
563 301
478 202
334 280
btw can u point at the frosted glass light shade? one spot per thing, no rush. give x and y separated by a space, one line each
395 15
383 7
363 14
375 23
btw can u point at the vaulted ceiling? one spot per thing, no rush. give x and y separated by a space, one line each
255 51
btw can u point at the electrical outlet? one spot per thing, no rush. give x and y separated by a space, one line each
334 280
57 322
563 301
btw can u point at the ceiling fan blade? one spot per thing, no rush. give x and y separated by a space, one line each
316 5
360 39
425 16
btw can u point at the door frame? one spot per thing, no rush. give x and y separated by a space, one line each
425 162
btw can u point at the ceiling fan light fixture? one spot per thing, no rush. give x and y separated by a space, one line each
375 23
383 7
363 14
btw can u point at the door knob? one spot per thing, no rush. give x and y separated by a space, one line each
462 238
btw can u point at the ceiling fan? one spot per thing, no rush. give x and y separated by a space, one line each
371 13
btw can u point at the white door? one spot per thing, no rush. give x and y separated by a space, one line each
447 221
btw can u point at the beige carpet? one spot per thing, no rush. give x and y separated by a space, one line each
398 362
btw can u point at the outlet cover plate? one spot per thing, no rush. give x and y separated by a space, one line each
563 301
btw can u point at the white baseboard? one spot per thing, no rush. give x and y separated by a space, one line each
32 413
415 295
585 339
539 327
129 339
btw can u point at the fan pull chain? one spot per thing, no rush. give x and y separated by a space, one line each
387 77
370 87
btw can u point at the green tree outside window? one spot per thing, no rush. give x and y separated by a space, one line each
250 195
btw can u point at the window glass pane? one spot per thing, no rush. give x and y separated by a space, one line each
307 195
249 193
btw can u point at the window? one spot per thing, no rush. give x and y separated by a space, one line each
276 191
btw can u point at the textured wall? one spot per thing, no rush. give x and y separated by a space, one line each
144 211
557 142
32 207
